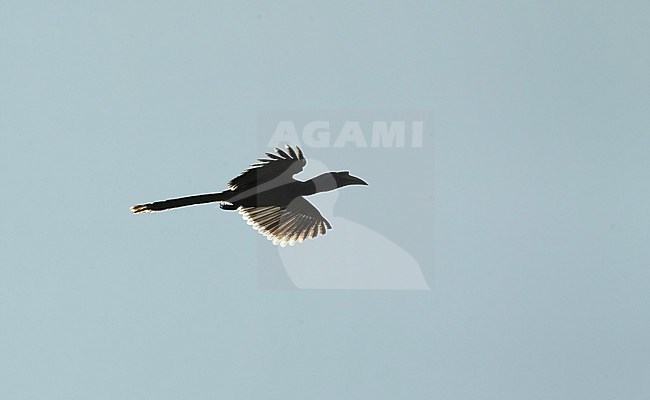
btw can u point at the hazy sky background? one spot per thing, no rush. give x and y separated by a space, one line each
541 287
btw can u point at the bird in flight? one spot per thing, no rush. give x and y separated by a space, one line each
270 199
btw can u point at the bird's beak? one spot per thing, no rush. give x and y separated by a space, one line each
353 180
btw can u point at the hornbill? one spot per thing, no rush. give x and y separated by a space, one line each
270 199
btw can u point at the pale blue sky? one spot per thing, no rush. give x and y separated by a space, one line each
541 281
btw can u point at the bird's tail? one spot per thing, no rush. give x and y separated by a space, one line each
180 202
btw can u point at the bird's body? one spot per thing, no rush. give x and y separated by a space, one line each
267 195
270 199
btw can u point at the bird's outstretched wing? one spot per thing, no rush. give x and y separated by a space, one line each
287 225
281 164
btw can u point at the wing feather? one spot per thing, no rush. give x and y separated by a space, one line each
273 156
287 225
282 153
283 164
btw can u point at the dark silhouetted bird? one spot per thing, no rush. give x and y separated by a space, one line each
270 199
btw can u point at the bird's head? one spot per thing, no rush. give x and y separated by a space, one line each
343 178
334 180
